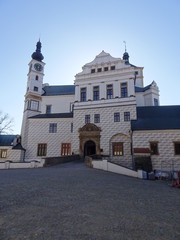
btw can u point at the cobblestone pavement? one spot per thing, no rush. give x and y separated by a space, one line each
72 201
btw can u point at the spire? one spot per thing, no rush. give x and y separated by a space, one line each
126 55
37 55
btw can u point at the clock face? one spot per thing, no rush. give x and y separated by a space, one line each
38 67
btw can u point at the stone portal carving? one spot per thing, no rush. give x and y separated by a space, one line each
89 132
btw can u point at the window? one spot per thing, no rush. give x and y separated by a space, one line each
36 89
99 69
48 109
109 91
42 149
96 93
71 127
93 70
154 148
3 153
126 116
37 77
177 148
87 119
34 105
106 69
65 149
96 118
123 90
53 127
83 94
156 102
117 117
118 149
112 67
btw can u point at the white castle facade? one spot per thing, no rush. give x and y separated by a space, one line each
108 112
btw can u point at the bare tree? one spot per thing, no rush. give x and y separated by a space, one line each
6 123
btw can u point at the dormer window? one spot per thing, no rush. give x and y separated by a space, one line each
112 67
106 69
99 69
37 77
93 70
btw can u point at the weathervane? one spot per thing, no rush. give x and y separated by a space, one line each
124 45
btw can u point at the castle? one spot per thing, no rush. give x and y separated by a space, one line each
108 112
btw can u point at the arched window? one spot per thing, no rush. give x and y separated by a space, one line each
37 77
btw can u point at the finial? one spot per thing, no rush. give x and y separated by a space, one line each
39 37
125 55
37 55
124 45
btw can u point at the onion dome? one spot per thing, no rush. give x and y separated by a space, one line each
37 55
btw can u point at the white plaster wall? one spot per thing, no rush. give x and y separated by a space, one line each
32 82
139 99
16 165
166 160
39 133
139 77
60 103
110 167
121 170
149 97
13 155
148 101
126 159
102 87
108 126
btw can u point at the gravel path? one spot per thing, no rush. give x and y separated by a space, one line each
72 201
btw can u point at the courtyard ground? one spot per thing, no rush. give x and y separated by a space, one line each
72 201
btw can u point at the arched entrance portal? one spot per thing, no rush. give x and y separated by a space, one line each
89 148
89 140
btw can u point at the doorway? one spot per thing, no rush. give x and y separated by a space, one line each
89 148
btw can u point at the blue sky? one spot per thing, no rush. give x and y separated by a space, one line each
73 32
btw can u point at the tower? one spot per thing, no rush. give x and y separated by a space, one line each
33 99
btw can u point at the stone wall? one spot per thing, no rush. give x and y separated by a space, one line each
109 128
39 133
126 159
14 155
166 159
20 165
